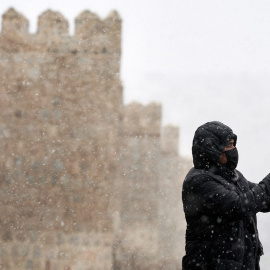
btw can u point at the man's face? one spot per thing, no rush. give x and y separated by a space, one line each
229 146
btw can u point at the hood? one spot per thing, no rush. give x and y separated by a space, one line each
209 142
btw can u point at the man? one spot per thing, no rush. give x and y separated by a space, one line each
220 205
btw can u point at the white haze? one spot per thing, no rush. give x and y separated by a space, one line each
203 60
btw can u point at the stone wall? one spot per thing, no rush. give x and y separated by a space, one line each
60 100
86 182
137 245
151 227
173 170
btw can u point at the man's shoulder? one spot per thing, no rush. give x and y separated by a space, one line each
241 177
242 180
198 175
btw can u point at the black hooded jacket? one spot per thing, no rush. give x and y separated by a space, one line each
220 207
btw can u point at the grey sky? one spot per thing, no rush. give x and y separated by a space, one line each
203 60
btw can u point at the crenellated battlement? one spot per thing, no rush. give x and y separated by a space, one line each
89 23
142 120
86 24
92 35
52 23
169 140
14 21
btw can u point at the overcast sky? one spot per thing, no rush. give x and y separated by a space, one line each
202 60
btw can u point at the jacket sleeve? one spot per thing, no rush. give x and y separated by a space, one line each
266 208
213 197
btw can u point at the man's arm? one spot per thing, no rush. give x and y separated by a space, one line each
266 207
214 197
